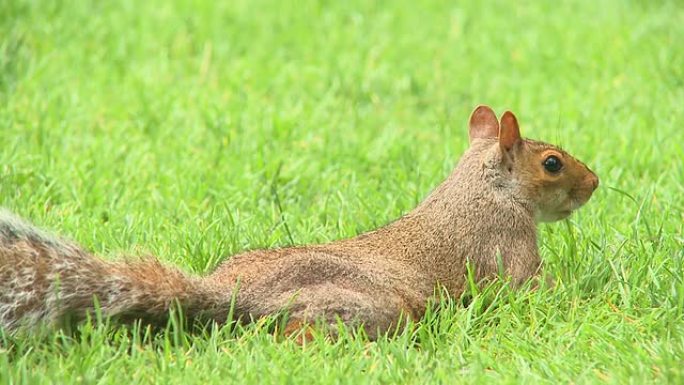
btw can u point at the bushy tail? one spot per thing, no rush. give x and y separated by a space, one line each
46 280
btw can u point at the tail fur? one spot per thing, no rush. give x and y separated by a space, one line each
47 280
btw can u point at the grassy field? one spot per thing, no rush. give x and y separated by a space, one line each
176 127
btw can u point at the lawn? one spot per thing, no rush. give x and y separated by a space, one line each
193 130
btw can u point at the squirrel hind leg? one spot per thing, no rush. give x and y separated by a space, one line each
325 307
300 331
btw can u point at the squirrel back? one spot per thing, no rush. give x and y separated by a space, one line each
485 213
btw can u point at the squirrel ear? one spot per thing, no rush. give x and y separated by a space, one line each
483 124
509 133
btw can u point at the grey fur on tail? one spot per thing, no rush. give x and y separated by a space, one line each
32 263
14 229
47 280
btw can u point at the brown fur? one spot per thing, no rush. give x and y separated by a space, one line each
485 213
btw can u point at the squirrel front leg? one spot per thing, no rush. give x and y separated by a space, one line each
525 265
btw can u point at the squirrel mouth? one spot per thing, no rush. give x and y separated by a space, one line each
552 216
564 213
578 198
575 204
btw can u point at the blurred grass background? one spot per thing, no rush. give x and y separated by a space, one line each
174 127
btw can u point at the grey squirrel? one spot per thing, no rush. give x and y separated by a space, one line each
485 213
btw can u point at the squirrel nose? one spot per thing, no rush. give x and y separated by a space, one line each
593 181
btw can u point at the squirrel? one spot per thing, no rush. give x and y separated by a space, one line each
484 214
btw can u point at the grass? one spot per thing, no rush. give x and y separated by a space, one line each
194 130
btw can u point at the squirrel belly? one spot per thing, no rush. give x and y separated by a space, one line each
484 214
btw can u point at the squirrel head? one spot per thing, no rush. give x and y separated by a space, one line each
546 178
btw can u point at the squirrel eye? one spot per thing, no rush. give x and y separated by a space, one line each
552 164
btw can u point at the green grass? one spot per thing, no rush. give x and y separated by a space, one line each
173 128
